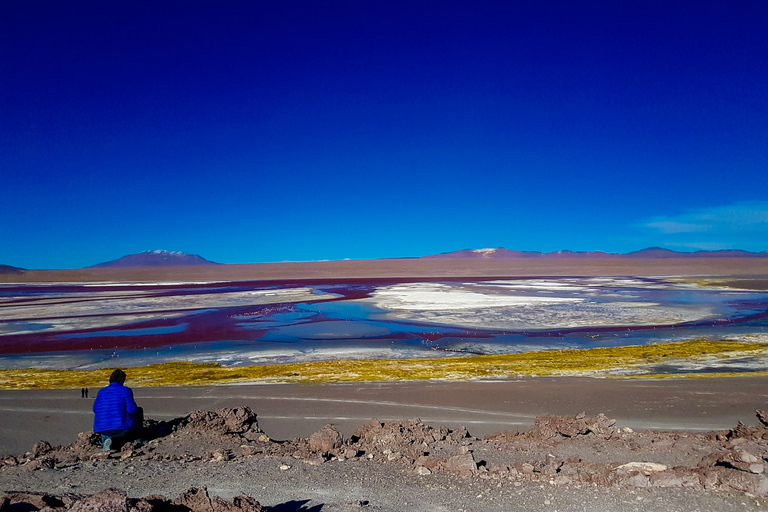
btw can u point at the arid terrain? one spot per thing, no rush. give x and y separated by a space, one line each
502 444
509 456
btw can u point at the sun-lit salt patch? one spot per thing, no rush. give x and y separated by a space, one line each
531 284
22 327
454 305
57 297
123 305
749 338
49 361
77 323
440 297
576 283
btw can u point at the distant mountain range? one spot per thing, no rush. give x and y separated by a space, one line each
156 259
651 252
179 259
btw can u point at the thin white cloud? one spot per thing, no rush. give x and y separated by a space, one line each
668 226
737 226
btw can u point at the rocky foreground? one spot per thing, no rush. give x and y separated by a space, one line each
228 447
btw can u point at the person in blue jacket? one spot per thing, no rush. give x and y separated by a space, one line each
118 418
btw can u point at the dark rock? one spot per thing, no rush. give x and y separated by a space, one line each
505 436
744 482
461 465
248 450
431 463
195 499
115 500
41 448
762 416
41 463
10 460
742 431
637 480
326 439
198 500
108 500
37 500
229 420
676 477
707 478
87 440
547 426
458 434
239 503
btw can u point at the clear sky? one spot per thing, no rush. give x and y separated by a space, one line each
261 131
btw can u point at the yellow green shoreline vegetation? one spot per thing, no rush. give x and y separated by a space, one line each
623 362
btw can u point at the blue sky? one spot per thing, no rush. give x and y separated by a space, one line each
291 131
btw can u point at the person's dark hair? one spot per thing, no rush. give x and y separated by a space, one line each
117 376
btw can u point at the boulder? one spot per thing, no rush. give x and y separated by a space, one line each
547 426
744 482
108 500
762 416
428 462
87 440
198 500
115 500
645 468
326 439
37 500
41 448
229 420
461 465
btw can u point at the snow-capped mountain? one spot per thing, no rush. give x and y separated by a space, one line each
651 252
156 259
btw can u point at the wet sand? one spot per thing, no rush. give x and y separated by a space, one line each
287 411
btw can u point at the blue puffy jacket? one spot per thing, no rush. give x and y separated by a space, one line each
113 408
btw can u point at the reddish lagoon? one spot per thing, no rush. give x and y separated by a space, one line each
242 323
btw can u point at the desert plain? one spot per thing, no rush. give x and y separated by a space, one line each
675 443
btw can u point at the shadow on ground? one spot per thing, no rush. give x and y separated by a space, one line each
296 506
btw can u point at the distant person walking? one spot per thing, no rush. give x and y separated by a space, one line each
118 418
82 392
86 392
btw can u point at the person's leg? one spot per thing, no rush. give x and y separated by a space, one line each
137 432
110 436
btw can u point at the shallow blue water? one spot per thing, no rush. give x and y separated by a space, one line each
77 326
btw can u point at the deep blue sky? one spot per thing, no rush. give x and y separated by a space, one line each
271 131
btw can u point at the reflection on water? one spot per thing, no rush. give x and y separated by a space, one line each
253 323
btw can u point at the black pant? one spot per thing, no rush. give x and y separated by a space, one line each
124 435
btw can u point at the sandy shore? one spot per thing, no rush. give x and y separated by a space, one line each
287 411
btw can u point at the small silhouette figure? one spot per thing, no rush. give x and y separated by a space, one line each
86 392
82 392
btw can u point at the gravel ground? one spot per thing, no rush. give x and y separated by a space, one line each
357 485
573 466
